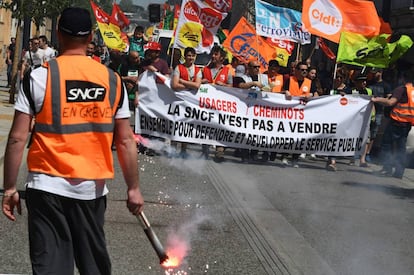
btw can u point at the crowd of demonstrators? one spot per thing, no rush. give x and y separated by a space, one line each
65 192
299 80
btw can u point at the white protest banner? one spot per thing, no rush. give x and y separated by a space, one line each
329 125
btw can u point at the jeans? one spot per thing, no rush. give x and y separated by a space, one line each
393 148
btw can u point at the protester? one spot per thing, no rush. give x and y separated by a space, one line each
401 118
49 53
91 50
66 185
137 41
186 76
380 88
33 58
255 81
9 60
298 85
360 88
219 74
130 70
152 61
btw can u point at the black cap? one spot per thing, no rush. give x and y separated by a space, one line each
273 63
75 21
361 77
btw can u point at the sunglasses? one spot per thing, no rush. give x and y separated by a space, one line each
304 70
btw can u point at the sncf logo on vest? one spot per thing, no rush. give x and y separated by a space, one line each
84 91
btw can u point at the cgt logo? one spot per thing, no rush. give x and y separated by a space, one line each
84 91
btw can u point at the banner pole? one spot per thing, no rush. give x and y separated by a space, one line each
297 52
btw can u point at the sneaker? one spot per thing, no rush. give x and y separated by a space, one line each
302 156
351 162
295 164
312 156
331 167
363 164
384 173
285 161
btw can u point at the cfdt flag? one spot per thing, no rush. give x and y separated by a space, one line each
328 18
198 23
280 23
118 16
111 33
357 49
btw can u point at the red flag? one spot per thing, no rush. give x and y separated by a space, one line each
118 17
326 50
100 15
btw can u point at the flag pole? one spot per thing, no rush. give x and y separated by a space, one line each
297 52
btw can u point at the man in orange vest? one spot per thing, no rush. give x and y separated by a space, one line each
395 135
275 79
186 76
219 74
298 85
80 107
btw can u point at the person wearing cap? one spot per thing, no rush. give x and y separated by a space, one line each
239 72
360 88
393 146
152 61
380 88
80 107
275 79
255 81
219 74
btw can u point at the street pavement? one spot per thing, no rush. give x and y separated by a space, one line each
187 201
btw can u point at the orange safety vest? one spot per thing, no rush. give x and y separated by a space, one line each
404 112
222 75
73 132
184 73
303 90
277 82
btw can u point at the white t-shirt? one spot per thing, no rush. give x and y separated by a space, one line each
72 188
36 59
49 53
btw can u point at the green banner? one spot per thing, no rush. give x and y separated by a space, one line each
376 52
